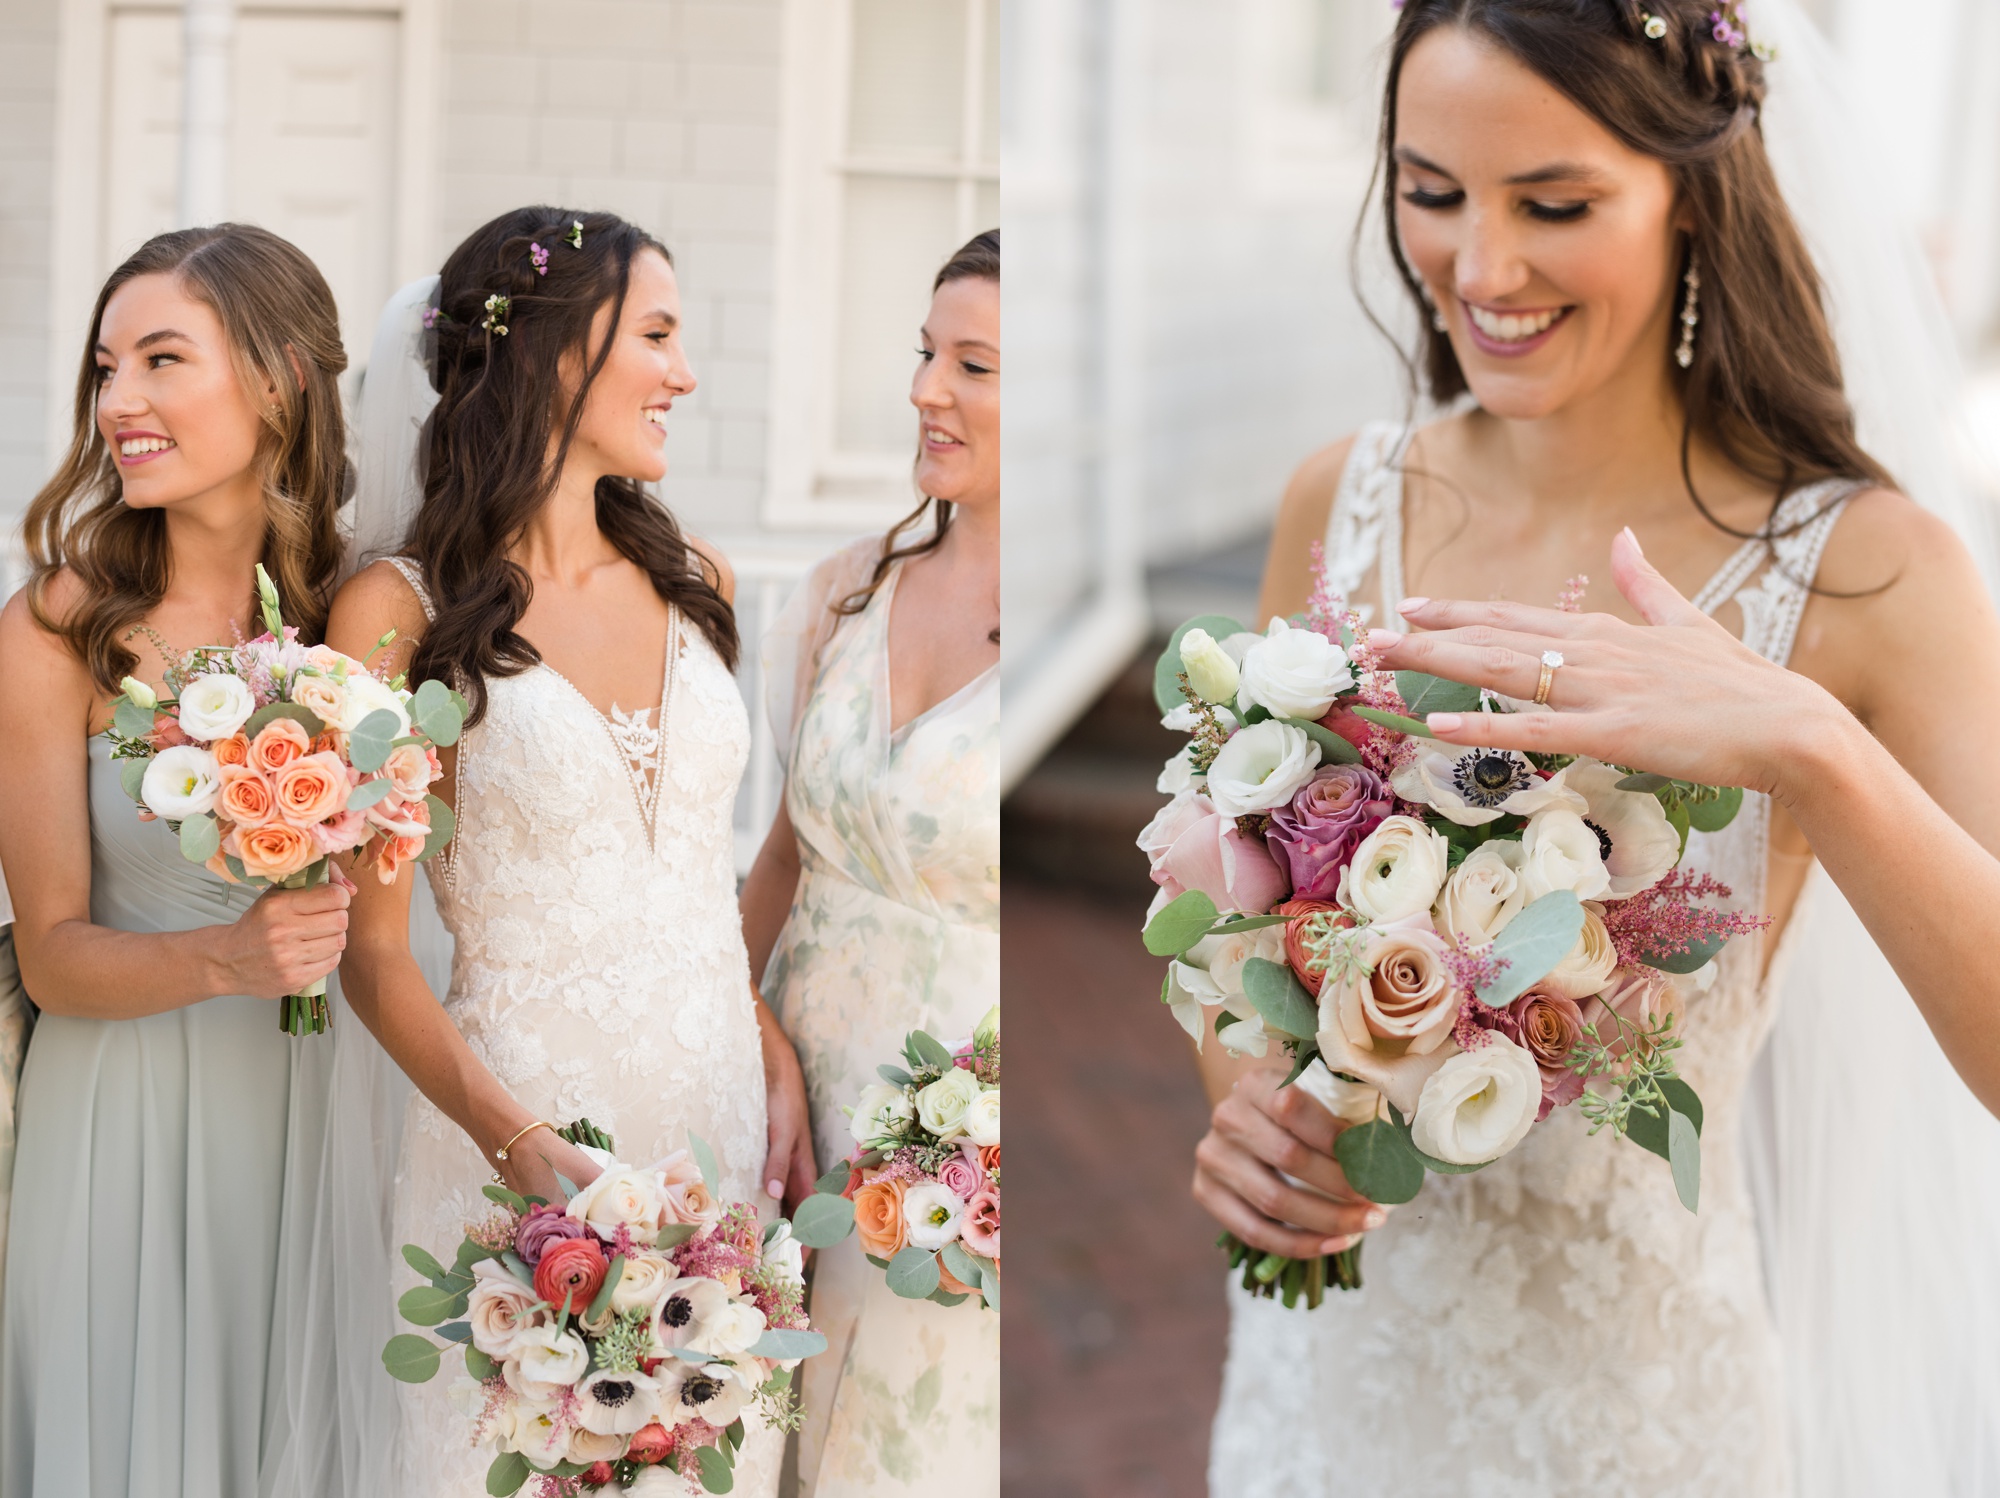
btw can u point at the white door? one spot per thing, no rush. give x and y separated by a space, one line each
312 143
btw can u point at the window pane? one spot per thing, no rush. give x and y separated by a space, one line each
989 89
907 89
897 232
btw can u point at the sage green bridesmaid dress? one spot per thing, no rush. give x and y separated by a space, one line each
154 1185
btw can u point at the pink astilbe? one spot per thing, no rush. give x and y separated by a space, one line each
1324 607
497 1397
1570 600
730 1245
781 1298
1666 921
548 1485
1476 1023
1473 968
494 1231
1386 751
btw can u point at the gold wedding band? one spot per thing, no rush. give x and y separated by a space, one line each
1551 661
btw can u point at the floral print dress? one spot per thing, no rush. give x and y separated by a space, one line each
895 927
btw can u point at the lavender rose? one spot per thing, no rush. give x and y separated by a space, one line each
1548 1025
1314 835
543 1227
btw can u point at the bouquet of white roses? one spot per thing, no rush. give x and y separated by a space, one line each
1450 942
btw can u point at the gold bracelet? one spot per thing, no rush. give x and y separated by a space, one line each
540 1123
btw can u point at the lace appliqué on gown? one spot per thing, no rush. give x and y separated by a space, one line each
1555 1324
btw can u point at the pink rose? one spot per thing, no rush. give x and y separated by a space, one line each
395 818
1192 846
412 767
961 1178
337 834
1316 833
1548 1026
979 1228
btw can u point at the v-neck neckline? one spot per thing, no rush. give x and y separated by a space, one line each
647 797
886 597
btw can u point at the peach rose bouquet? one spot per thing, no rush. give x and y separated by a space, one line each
270 759
620 1331
1449 943
921 1189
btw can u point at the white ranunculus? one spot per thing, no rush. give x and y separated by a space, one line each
1590 963
1482 894
367 694
931 1213
1474 786
1351 1102
620 1196
617 1404
214 706
643 1282
1559 850
1209 669
529 1427
730 1330
982 1118
1261 767
1479 1104
1644 845
879 1106
546 1361
181 782
941 1105
1397 871
1294 673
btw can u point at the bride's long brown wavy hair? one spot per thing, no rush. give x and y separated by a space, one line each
284 333
1765 387
487 466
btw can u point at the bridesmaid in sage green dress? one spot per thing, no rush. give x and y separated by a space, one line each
165 1124
877 895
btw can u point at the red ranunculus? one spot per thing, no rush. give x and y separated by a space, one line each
572 1269
653 1443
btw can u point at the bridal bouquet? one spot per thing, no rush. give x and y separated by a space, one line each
632 1328
922 1185
1450 943
271 757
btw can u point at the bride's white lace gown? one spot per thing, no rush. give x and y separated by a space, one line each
599 970
1555 1324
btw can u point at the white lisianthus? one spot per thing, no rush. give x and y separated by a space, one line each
181 782
784 1254
982 1118
139 694
1261 767
546 1361
1294 673
529 1427
1351 1102
214 706
1475 786
1590 963
1482 894
1644 845
1559 850
730 1330
1479 1104
620 1197
941 1105
367 694
1209 669
879 1106
931 1213
1397 871
1178 774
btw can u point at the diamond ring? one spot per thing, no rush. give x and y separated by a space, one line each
1551 661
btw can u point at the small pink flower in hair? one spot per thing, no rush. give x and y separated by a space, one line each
431 316
1725 30
539 257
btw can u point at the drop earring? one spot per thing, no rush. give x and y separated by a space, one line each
1690 312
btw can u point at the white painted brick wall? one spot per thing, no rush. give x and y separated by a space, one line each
27 139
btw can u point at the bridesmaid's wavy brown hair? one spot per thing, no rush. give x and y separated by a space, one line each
486 462
977 259
284 333
1765 386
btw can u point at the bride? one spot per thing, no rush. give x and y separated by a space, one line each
1585 215
600 969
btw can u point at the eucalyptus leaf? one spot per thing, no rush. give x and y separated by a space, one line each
675 1233
494 1192
964 1268
834 1182
456 1331
1333 749
1181 923
1423 693
781 1344
1308 1053
989 1285
444 822
435 715
733 1433
1713 813
1236 923
823 1219
509 1471
369 792
426 1305
1684 1155
1677 818
130 720
1395 722
411 1358
1280 998
1533 945
1167 670
1379 1162
895 1076
717 1475
201 839
1649 1130
570 1188
306 718
929 1050
944 1297
913 1273
421 1260
479 1365
704 1156
369 741
1644 780
132 777
612 1276
1698 955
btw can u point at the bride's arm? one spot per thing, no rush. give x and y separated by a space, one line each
381 979
1902 809
69 965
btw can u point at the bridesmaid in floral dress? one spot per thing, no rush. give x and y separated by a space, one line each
876 897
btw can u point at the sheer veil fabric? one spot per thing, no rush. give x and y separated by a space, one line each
1875 1173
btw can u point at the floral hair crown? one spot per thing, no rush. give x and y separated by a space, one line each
1726 28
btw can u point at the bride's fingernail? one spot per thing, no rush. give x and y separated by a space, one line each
1383 639
1411 605
1442 722
1375 1219
774 1187
1632 536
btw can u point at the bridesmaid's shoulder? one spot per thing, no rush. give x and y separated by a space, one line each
34 656
375 600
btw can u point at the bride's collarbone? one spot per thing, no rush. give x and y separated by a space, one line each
612 654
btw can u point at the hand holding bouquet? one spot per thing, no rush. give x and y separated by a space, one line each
271 758
1449 942
633 1327
922 1185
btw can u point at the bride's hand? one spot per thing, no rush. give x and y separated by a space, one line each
1678 695
1254 1134
790 1171
537 1158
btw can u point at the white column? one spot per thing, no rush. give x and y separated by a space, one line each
211 28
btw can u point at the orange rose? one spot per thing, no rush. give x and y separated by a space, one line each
234 750
878 1218
412 767
277 744
328 742
989 1159
275 852
245 798
312 789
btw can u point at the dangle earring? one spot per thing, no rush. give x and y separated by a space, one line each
1690 312
1437 316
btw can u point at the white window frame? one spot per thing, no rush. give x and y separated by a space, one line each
813 166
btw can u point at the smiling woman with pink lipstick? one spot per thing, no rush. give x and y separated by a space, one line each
874 906
165 1121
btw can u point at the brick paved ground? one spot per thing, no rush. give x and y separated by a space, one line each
1114 1318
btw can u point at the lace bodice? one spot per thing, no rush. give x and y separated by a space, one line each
599 968
1556 1323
